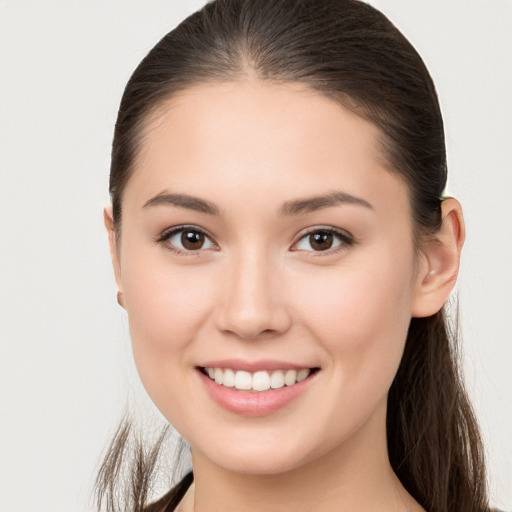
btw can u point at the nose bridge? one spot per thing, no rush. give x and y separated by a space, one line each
253 303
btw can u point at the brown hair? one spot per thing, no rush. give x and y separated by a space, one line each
350 52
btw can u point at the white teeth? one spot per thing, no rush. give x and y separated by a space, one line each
228 379
218 375
243 380
261 381
290 377
277 380
302 374
258 381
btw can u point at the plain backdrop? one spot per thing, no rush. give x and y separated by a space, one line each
65 365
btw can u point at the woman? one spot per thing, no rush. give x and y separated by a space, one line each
282 246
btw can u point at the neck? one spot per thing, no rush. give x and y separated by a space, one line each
356 477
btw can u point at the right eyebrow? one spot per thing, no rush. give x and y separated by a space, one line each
183 201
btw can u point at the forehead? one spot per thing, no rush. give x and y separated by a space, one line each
259 140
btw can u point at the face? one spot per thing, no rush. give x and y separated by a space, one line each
262 243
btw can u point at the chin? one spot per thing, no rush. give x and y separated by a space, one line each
259 465
259 457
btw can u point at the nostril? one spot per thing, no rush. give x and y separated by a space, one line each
254 335
253 324
253 305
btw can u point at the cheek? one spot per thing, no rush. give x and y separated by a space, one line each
361 314
166 306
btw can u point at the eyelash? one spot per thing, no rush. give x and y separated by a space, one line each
163 239
345 239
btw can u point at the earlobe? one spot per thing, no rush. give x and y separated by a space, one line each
114 250
439 265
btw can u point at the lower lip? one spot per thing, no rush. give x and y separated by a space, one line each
261 403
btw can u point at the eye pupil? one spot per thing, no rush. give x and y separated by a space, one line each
192 240
321 240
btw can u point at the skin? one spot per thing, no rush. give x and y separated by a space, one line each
258 290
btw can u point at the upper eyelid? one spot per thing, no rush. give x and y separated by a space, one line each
166 233
330 229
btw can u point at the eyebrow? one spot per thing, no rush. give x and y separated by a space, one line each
312 204
295 207
183 201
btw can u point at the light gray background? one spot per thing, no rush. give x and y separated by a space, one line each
65 364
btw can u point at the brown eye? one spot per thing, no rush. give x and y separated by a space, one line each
186 240
321 240
192 240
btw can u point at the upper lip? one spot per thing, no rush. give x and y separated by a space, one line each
253 366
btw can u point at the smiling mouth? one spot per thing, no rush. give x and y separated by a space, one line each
258 381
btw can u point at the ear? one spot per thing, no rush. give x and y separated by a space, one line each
439 264
108 219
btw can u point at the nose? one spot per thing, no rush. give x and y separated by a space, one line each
253 297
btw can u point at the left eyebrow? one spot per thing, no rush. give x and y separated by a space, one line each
183 201
311 204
